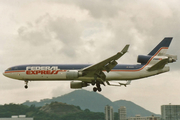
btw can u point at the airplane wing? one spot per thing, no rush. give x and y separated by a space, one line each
106 64
159 65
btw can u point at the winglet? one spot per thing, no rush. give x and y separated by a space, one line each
125 49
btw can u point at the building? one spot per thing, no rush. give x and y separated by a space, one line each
122 113
138 117
170 112
153 118
20 117
109 114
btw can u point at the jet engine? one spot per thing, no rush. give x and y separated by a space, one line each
110 65
143 59
73 74
76 85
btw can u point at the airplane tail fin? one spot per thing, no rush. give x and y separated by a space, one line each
162 47
159 57
158 53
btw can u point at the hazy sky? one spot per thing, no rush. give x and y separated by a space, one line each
86 31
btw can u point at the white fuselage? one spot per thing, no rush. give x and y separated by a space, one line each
54 73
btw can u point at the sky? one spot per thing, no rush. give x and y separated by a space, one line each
86 31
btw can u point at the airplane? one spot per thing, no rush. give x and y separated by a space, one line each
82 75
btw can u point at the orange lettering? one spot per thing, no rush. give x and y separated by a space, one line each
28 72
57 71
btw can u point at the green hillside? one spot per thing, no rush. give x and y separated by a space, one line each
60 108
94 102
53 111
85 99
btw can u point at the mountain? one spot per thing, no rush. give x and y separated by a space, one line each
60 108
94 102
85 99
133 109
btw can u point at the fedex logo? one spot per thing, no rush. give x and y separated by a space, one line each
42 68
34 70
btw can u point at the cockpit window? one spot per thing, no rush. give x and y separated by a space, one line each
9 69
16 68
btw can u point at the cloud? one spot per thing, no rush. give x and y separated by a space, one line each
97 9
33 35
100 8
47 29
68 31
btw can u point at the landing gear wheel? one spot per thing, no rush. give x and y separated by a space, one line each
26 86
93 83
99 89
95 89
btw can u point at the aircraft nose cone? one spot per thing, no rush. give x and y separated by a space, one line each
4 74
7 75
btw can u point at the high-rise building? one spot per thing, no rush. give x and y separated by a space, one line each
170 112
122 113
109 114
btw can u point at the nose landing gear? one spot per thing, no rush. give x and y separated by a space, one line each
26 84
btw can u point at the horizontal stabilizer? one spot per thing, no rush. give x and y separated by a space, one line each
159 65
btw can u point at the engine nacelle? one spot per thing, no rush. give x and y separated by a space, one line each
77 85
143 59
111 65
73 74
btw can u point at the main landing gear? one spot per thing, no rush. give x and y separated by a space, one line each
99 78
26 84
98 87
95 89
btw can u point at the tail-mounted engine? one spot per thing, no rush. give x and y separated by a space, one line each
143 59
77 85
73 74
